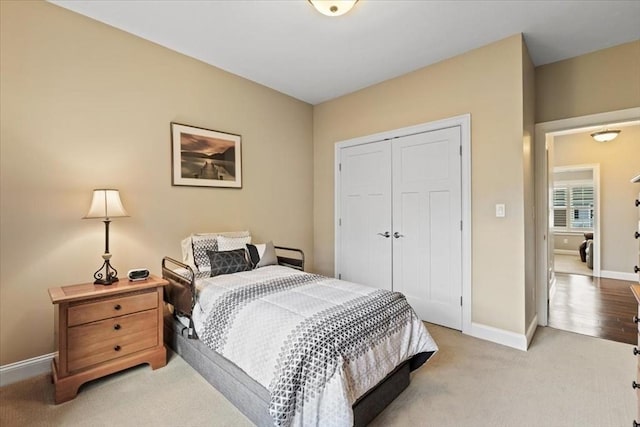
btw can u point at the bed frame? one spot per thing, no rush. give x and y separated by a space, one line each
250 397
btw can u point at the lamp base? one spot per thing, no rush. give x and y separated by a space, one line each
105 281
110 274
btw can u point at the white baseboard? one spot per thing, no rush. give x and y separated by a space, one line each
565 252
25 369
499 336
619 275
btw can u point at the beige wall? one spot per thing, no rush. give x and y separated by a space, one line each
601 81
488 83
84 106
619 163
573 241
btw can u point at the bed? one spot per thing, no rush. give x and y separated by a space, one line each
288 347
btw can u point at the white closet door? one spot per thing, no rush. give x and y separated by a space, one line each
365 214
427 242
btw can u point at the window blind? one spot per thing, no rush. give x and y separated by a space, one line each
560 207
582 207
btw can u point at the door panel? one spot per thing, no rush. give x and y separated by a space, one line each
440 262
365 213
412 209
427 254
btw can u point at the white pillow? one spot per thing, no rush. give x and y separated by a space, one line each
230 243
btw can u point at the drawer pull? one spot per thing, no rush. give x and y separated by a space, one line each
635 319
117 326
635 269
118 348
636 235
117 307
637 203
636 351
635 384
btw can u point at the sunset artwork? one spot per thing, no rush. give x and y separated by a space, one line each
206 157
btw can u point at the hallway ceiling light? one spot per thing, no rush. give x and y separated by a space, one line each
333 7
605 135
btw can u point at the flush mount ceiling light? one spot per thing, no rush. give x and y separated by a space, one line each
605 135
333 7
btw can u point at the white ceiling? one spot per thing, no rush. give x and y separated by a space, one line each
288 46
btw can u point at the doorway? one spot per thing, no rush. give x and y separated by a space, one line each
575 215
547 278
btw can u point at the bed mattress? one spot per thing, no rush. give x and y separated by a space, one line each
315 344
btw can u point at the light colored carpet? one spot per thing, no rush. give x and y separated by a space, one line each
564 379
570 264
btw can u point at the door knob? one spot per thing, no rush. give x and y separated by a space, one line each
636 235
635 269
397 235
385 234
637 203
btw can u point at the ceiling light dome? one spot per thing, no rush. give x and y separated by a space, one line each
333 7
605 135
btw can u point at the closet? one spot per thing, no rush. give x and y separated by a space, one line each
400 219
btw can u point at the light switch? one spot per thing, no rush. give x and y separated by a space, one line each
500 212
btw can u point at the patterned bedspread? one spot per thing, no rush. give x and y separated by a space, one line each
316 343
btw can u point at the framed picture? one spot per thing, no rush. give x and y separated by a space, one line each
205 158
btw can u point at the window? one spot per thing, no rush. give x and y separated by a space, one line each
573 206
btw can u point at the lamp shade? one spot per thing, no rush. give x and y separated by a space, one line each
605 135
333 7
106 204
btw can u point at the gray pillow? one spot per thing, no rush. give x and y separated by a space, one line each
228 262
269 256
262 255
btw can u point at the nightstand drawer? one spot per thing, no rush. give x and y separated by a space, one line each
88 335
91 312
112 348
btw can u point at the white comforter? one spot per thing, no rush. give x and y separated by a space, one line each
316 343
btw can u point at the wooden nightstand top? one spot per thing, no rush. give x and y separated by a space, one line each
62 294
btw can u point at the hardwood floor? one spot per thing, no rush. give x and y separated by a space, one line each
594 306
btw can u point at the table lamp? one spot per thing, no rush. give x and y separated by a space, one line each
105 205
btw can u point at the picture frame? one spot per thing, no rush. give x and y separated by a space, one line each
205 158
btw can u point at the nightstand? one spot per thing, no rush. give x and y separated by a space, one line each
105 329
